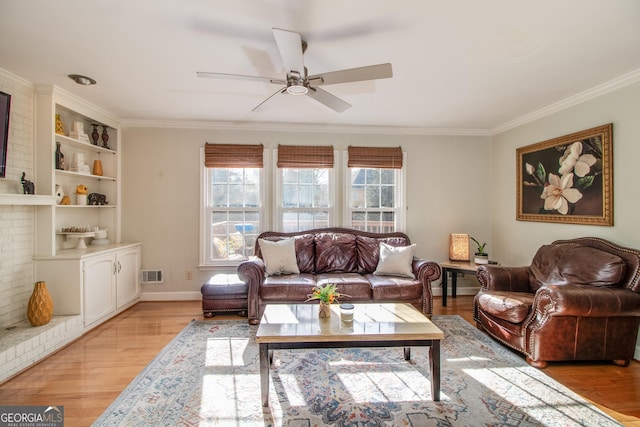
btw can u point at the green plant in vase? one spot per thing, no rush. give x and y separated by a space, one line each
480 256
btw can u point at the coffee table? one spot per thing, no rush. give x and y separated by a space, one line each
297 326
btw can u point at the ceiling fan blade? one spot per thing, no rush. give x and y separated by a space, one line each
206 74
331 101
283 90
371 72
290 46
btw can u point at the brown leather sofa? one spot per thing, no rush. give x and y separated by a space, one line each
578 300
342 256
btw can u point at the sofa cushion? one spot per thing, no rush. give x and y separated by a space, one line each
513 307
368 249
279 257
395 261
572 263
335 253
352 284
290 287
394 288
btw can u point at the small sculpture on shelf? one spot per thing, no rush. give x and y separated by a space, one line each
81 194
97 199
59 194
27 186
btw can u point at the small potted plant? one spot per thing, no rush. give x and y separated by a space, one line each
327 295
480 256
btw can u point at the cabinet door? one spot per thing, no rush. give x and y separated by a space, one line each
99 287
128 284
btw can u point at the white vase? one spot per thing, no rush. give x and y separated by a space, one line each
481 259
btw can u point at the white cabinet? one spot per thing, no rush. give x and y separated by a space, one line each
97 284
98 287
127 276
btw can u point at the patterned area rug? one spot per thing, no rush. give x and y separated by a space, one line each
209 376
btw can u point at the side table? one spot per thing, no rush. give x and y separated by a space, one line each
455 267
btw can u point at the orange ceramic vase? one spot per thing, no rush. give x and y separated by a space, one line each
40 307
97 167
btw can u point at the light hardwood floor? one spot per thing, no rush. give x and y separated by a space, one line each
86 376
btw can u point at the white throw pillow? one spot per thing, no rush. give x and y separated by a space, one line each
395 261
279 257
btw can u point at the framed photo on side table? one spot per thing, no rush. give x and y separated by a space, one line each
567 179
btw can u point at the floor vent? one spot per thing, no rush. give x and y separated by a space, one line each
152 276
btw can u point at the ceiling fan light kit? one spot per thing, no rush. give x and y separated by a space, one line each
298 82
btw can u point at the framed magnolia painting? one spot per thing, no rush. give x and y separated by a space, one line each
567 179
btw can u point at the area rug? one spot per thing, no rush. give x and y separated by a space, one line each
209 376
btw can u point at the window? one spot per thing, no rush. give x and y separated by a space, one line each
305 184
375 194
305 199
232 202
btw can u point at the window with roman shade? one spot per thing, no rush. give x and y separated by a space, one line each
376 190
233 194
305 186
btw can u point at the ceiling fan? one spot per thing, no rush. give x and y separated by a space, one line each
298 82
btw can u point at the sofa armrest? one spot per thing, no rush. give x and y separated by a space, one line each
426 271
252 273
498 278
586 301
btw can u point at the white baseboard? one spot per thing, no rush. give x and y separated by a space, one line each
437 291
170 296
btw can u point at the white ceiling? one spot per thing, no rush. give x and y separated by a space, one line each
457 64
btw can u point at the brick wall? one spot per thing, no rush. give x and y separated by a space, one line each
17 223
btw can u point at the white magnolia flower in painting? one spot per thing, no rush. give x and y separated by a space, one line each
574 161
559 193
529 168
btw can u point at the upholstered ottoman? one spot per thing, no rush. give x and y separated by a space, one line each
224 293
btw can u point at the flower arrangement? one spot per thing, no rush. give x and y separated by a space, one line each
327 294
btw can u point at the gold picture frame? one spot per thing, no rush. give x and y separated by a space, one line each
567 179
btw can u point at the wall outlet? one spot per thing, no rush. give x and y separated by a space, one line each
188 275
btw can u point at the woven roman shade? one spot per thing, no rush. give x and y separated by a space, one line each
305 156
233 156
375 157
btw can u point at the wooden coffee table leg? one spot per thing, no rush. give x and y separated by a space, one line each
434 362
264 374
407 353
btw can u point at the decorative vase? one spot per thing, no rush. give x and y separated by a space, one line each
105 137
95 135
59 125
97 167
324 310
481 259
40 306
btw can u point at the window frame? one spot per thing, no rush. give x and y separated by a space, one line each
400 195
206 240
278 186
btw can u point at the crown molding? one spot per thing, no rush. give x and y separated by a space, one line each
302 127
579 98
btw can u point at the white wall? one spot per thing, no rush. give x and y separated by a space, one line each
445 191
17 223
515 242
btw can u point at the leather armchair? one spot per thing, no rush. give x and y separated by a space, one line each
578 300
